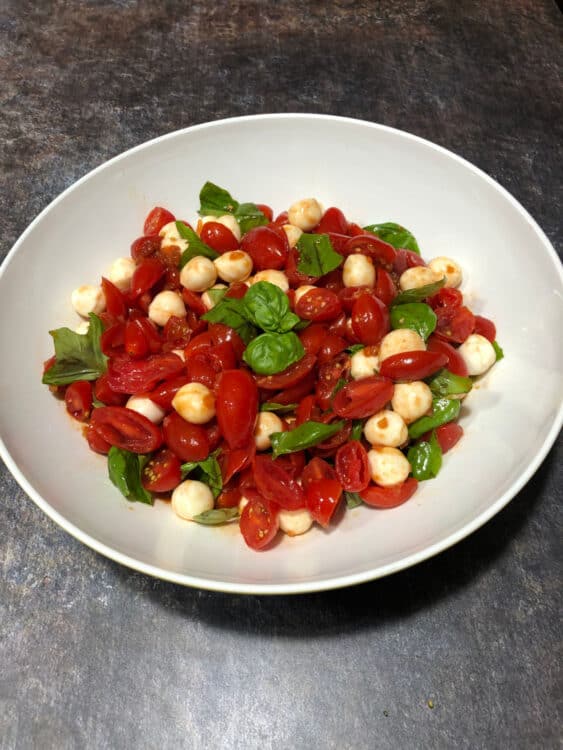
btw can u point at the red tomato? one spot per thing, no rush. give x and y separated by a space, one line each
237 407
445 303
206 363
266 247
331 348
95 440
295 393
193 301
338 241
362 398
313 337
127 375
146 276
339 327
456 363
288 377
355 229
236 290
276 484
162 473
112 339
372 246
350 294
156 219
259 521
104 393
329 375
305 410
126 429
316 469
281 219
333 281
323 496
213 434
328 447
188 441
385 288
266 210
389 497
136 343
229 498
219 237
176 332
406 259
333 220
292 463
415 365
78 399
163 394
486 328
458 327
235 460
144 247
318 305
352 467
116 305
370 319
295 277
448 435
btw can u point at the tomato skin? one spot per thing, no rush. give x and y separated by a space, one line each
486 328
218 237
163 394
266 247
288 377
362 398
332 346
146 276
258 521
116 305
126 429
296 392
415 365
328 377
352 467
333 220
323 496
127 375
406 259
448 435
276 485
78 399
292 463
176 333
350 294
316 469
229 498
385 288
266 210
313 337
458 328
162 473
236 460
389 497
372 246
145 247
103 393
370 319
305 410
193 301
237 406
328 447
319 305
112 339
156 219
295 277
456 363
136 343
188 441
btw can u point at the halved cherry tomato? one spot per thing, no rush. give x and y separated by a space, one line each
266 247
332 346
323 496
385 289
368 244
116 305
146 276
112 339
162 473
352 467
188 441
266 210
237 406
235 460
328 376
78 399
163 394
458 328
316 469
95 440
414 365
127 375
144 247
448 435
313 337
362 398
193 301
350 294
370 319
295 393
275 484
176 332
485 327
406 259
236 290
305 410
333 220
389 497
292 463
219 237
333 281
221 334
456 363
295 277
229 498
126 429
104 393
288 377
258 521
156 219
318 305
135 340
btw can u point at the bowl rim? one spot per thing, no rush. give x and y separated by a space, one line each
313 585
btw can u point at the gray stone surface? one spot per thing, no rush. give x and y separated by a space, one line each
93 655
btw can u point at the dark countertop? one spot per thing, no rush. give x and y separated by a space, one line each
459 652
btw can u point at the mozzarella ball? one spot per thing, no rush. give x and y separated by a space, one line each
146 407
364 363
266 423
170 236
295 522
121 272
413 278
83 327
478 354
165 305
190 498
386 428
88 299
293 234
388 466
447 267
411 400
301 290
195 403
305 214
400 340
358 270
227 220
274 277
235 265
206 299
198 274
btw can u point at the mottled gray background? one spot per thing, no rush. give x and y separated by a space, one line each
462 651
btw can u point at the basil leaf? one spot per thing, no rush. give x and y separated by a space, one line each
124 470
216 516
273 352
352 500
498 350
420 294
208 471
425 458
249 216
78 355
304 436
232 312
340 383
280 408
417 316
317 257
445 383
357 429
195 245
267 307
395 235
216 295
355 348
216 201
97 404
443 410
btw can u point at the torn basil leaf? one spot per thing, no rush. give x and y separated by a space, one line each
280 408
78 356
443 410
216 201
395 235
195 245
317 257
216 516
232 312
498 351
124 470
208 472
445 383
419 294
418 316
304 436
425 458
352 500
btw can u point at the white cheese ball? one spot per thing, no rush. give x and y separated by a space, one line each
206 298
449 268
266 423
83 327
195 403
227 220
293 234
190 498
235 265
165 305
198 274
274 277
301 290
388 466
146 407
170 236
358 270
364 363
478 354
400 340
413 278
121 272
411 400
295 522
386 428
88 299
305 214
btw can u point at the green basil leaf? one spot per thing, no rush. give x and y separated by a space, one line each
249 216
445 383
352 500
418 316
208 471
280 408
395 235
340 383
216 516
302 437
97 404
78 355
357 429
498 350
195 245
425 458
267 307
418 295
216 201
355 348
232 312
443 410
216 295
317 257
273 352
124 470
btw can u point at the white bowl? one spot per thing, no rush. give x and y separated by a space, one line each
374 174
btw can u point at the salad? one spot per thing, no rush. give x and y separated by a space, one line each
267 370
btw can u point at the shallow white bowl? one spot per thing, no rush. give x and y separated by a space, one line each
374 174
